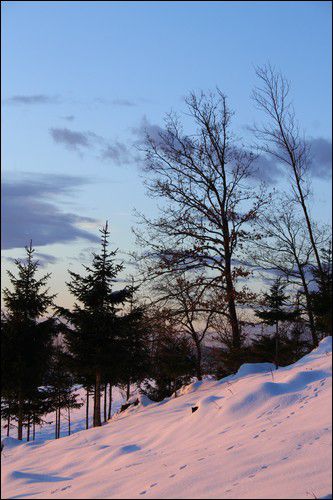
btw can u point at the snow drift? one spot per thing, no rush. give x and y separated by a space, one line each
258 434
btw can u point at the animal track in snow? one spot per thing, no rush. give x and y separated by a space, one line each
182 467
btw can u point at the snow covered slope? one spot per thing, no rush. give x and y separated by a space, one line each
258 434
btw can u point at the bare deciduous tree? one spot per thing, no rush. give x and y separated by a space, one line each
281 137
209 204
192 305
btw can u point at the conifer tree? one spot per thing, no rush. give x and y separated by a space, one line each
94 339
27 338
275 311
135 347
321 298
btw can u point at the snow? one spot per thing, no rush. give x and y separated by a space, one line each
261 433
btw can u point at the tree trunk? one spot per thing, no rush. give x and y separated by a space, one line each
97 400
87 408
175 386
314 335
8 425
277 345
105 397
56 424
128 390
236 341
110 401
59 418
69 421
198 361
20 420
34 427
307 219
28 429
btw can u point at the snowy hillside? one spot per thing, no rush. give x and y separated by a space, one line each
258 434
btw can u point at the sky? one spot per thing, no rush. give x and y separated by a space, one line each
81 81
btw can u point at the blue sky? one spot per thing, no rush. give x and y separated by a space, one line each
80 80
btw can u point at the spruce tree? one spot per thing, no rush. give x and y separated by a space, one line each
27 338
93 338
275 312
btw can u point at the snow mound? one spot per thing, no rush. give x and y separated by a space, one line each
9 442
261 433
253 368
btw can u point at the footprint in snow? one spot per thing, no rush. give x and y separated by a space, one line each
153 484
199 459
143 492
116 470
264 466
65 488
257 435
172 475
252 475
285 458
264 430
230 448
182 467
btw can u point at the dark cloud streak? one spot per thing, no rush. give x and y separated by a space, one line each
29 211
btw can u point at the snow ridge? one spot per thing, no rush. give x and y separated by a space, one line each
261 433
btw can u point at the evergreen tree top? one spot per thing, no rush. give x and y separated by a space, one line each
29 299
94 288
275 303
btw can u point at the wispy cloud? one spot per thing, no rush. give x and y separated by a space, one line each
153 130
320 163
270 170
70 138
30 211
106 150
68 118
116 102
32 99
118 152
44 259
